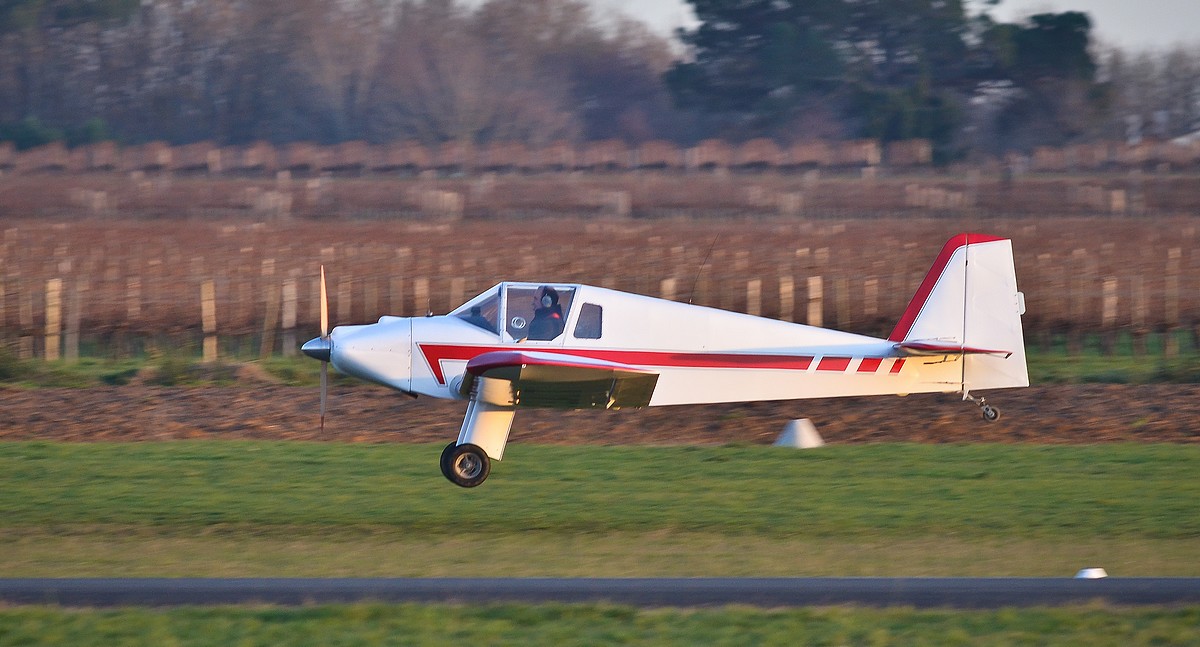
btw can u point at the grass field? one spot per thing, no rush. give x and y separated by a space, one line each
597 625
231 508
307 509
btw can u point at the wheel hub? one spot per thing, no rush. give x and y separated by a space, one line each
468 466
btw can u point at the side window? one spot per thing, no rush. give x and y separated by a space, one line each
483 313
537 313
590 325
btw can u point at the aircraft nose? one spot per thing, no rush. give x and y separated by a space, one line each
318 348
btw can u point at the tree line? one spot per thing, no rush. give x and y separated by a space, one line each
538 71
287 70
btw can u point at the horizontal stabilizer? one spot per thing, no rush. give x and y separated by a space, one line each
944 348
561 381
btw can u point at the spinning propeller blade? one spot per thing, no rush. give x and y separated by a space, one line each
324 338
324 391
324 306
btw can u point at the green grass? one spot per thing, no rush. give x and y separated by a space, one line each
1092 362
229 508
553 624
159 369
260 508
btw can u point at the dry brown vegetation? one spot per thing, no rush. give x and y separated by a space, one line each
135 263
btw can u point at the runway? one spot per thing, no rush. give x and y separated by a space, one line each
974 593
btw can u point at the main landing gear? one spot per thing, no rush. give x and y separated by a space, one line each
990 413
465 465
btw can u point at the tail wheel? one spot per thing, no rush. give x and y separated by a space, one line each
467 465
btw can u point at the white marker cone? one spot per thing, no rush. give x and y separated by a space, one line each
1091 574
801 434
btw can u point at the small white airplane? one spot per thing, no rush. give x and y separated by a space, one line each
577 346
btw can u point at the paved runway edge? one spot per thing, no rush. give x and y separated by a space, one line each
981 593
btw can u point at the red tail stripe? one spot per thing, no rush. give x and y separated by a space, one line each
869 365
931 278
833 364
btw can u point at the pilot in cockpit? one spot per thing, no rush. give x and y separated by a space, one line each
547 315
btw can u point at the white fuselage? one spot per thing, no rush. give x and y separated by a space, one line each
702 355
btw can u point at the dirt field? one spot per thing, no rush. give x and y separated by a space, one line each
1043 414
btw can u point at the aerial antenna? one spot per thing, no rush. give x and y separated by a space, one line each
699 270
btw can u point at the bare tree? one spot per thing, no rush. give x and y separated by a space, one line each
1156 94
284 70
440 82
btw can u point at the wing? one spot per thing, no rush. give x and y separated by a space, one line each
533 379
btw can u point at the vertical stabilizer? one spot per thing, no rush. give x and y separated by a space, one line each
969 305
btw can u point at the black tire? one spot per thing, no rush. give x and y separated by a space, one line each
445 460
991 414
468 465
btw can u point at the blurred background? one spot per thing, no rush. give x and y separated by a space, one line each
975 79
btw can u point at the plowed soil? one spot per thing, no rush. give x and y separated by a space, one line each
1042 414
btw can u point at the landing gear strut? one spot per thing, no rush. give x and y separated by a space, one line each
990 413
465 465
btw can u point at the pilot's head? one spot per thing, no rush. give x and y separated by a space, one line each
545 297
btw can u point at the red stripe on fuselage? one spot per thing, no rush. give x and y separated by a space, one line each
435 353
833 364
869 365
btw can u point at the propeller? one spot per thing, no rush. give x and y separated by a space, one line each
324 336
322 347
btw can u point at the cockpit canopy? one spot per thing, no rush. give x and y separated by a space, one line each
530 311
